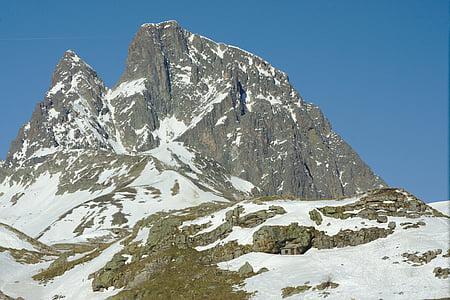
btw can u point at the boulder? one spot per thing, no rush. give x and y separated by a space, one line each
382 219
246 269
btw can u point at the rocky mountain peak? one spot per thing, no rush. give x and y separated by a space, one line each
68 116
219 100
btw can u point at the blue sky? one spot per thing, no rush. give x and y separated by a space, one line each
378 69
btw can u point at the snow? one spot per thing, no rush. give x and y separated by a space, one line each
107 174
374 279
241 184
128 257
56 88
278 142
15 278
165 24
9 239
221 121
169 153
128 89
44 152
142 235
219 51
360 271
149 193
73 284
169 129
263 70
293 115
297 211
41 199
237 141
442 206
274 101
53 114
183 78
116 144
209 100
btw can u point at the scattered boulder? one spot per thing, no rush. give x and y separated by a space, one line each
409 225
246 269
382 219
315 216
263 270
424 258
326 285
290 290
441 273
279 210
392 225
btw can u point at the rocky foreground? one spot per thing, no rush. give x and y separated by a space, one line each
384 244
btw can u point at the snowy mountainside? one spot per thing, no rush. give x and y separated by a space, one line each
237 246
219 100
80 194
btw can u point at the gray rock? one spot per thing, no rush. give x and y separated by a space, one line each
382 219
315 216
238 110
441 273
392 225
246 269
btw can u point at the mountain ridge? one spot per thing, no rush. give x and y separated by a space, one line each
211 96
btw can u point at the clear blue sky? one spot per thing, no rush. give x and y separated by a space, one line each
378 69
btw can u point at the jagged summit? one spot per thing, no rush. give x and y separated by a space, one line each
162 24
218 100
71 54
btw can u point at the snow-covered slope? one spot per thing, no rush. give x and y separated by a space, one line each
376 270
442 206
86 197
382 244
11 238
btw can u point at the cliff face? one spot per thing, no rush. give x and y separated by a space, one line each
221 101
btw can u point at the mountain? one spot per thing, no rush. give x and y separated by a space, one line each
223 102
201 174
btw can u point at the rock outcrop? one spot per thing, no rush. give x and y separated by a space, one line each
271 239
220 101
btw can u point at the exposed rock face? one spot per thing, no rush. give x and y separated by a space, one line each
72 115
378 204
349 237
271 239
225 103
